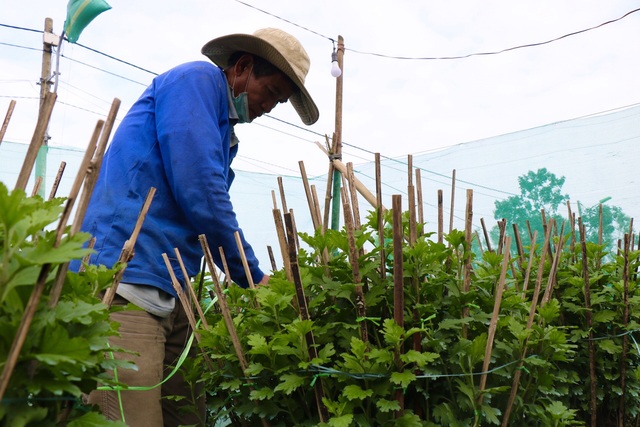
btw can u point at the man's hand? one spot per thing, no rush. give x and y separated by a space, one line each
265 280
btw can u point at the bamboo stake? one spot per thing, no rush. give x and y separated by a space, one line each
420 202
380 213
532 311
398 282
225 267
226 314
71 200
36 186
493 325
128 249
440 217
243 257
96 165
477 236
398 272
572 224
7 118
554 266
625 321
502 224
355 268
186 306
316 204
527 275
56 182
340 167
486 235
453 196
468 237
192 294
274 267
87 257
36 140
282 197
519 247
277 218
329 192
355 208
295 228
307 191
413 227
593 401
304 314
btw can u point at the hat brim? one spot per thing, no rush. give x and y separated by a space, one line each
220 49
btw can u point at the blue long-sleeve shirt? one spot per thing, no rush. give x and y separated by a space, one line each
176 138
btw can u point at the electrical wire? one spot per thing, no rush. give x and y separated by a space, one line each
423 58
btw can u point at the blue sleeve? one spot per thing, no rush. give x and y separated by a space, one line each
193 133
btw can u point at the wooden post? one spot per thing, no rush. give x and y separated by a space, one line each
45 84
337 138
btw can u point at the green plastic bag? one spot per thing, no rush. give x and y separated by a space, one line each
79 14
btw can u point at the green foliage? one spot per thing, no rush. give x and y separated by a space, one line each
427 372
63 354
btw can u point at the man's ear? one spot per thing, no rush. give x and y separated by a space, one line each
244 63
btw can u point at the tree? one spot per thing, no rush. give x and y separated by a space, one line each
540 191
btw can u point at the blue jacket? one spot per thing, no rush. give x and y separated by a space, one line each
176 138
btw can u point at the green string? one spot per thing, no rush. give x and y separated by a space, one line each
176 368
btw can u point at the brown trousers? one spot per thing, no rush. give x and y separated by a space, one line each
159 343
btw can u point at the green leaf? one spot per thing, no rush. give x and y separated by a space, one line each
264 393
354 392
57 347
604 316
385 405
393 333
420 359
491 414
289 383
403 379
94 419
341 421
258 344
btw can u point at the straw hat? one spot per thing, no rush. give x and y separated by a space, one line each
279 48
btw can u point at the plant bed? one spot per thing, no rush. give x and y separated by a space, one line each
538 339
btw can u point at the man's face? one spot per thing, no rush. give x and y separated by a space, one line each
265 92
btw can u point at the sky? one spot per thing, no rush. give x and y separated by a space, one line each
391 106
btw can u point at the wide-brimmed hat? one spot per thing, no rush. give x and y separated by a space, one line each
279 48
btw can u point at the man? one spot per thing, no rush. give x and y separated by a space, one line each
178 137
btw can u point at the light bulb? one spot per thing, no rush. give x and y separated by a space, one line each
335 68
